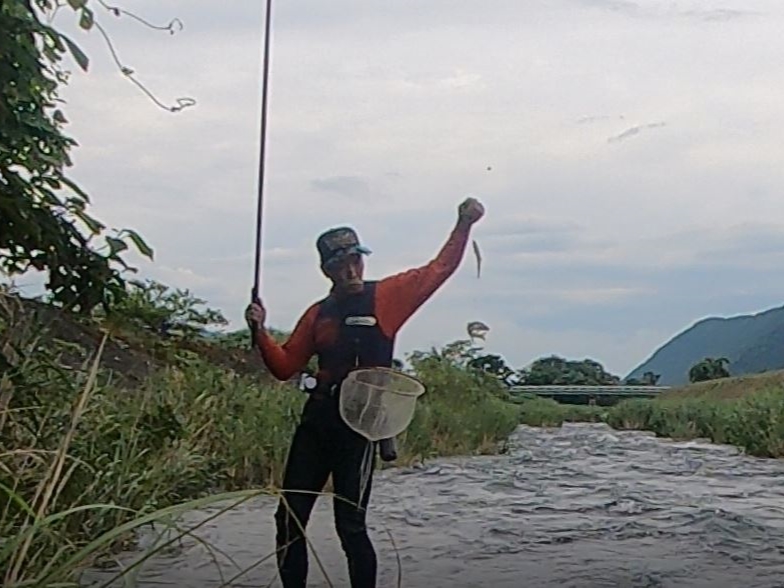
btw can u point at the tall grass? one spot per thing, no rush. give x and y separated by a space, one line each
753 421
184 434
546 412
85 462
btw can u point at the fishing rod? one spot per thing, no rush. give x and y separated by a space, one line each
262 152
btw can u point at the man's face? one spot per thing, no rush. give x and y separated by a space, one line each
346 273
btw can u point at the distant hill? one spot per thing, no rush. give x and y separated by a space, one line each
753 343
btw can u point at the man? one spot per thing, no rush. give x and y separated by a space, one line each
354 326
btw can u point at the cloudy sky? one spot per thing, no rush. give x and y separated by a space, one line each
634 145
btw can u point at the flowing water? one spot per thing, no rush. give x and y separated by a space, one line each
580 506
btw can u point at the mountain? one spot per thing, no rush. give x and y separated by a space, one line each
753 343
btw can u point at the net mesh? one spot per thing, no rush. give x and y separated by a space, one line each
379 403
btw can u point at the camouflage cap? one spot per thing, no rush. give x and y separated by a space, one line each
336 243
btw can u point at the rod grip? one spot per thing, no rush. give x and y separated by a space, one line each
254 299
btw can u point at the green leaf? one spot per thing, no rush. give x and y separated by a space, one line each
77 53
81 193
87 20
58 116
77 4
116 245
92 224
143 248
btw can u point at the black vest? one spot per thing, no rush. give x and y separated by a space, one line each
360 342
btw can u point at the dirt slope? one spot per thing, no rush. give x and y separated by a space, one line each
130 356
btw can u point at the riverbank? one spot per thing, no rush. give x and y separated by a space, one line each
87 451
747 412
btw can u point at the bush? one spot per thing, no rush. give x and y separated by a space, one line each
463 410
546 412
754 422
156 308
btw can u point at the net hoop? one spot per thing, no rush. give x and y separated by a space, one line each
379 402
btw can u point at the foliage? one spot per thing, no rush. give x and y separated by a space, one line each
490 372
546 412
464 410
238 339
42 212
755 422
457 353
550 370
494 365
648 379
554 370
709 369
155 307
241 339
44 222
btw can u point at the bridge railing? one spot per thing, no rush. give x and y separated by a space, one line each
566 390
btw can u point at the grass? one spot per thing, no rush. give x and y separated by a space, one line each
86 462
747 412
461 414
752 422
546 412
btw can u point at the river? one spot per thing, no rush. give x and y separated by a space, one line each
580 506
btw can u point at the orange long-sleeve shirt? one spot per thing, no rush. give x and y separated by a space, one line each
397 298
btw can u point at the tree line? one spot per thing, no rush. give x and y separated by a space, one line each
554 370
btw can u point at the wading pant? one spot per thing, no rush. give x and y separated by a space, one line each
323 444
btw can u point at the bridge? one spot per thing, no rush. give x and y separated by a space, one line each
589 394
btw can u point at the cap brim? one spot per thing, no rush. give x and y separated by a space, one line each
361 249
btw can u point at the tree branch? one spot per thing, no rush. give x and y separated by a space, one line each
87 21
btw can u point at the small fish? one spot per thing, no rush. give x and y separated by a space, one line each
478 257
477 330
